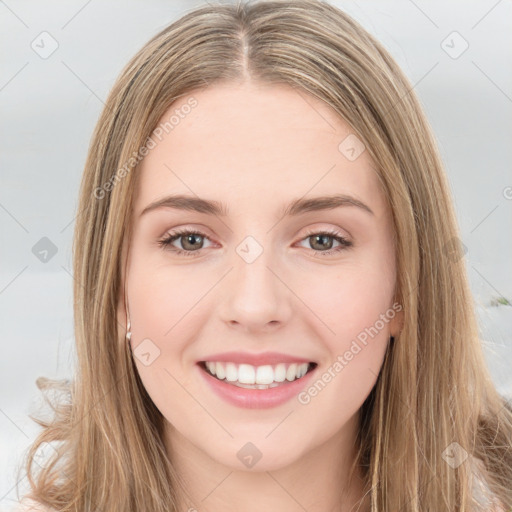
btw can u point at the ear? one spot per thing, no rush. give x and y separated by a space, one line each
121 312
121 305
396 324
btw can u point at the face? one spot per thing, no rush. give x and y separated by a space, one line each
312 284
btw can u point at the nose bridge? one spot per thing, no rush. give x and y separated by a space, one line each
252 269
254 295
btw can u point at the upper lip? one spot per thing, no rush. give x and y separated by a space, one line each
264 358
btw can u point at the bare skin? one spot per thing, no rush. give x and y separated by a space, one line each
256 148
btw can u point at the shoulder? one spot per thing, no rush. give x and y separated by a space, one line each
481 491
28 505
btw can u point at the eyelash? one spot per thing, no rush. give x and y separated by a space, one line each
166 242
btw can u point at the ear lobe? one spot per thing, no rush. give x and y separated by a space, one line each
122 316
397 323
121 313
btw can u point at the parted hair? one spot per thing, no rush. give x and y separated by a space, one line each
434 388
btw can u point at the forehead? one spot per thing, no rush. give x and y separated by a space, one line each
244 143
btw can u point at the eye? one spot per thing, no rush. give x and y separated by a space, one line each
192 240
319 239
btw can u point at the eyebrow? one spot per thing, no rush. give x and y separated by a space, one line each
296 207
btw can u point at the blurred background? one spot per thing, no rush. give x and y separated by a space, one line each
59 62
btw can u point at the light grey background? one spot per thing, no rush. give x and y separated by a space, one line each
49 107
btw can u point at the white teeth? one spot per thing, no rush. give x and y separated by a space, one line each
246 374
220 371
231 372
280 372
264 374
291 373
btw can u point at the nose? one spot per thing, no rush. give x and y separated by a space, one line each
255 296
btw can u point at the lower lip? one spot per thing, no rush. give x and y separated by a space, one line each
256 398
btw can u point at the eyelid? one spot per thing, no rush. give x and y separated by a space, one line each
176 234
331 230
310 230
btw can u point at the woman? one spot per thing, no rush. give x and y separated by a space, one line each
226 358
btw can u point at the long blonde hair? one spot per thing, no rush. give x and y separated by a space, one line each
434 388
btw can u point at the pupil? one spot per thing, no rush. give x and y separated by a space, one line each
323 237
191 237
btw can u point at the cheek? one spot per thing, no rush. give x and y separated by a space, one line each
162 312
352 304
356 337
351 297
161 297
353 313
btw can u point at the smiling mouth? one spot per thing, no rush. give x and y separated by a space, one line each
251 377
